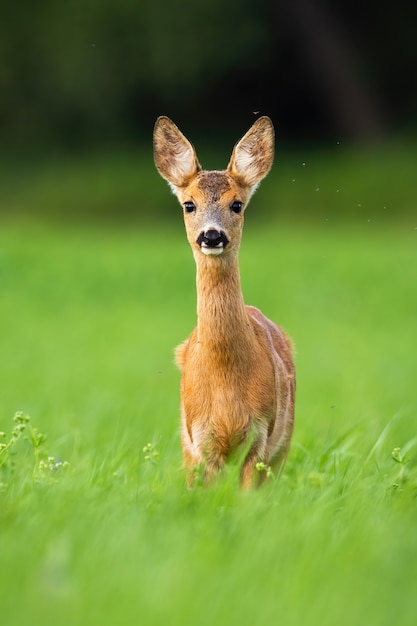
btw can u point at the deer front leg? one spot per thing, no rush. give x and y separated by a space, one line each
191 460
205 457
249 476
191 465
207 468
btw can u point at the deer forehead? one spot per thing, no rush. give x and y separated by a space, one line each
213 189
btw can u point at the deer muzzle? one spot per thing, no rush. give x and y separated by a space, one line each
212 241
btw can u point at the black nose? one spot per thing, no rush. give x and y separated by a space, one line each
212 238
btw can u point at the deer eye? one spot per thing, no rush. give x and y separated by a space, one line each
189 207
236 206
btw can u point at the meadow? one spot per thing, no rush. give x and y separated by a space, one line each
96 525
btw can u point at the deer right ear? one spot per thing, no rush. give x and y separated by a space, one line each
174 156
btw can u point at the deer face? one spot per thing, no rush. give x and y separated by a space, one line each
213 206
213 201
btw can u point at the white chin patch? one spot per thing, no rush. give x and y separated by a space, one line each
212 251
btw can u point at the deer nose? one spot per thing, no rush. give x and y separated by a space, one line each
212 239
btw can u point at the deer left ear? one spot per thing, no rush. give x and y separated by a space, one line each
253 155
175 157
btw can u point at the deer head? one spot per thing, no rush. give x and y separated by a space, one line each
214 202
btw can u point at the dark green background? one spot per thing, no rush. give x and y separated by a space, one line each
79 72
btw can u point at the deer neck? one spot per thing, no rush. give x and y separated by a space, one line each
223 325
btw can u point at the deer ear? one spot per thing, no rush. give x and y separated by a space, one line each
175 157
253 155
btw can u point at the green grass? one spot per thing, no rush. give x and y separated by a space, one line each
96 526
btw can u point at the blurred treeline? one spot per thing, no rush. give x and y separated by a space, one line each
81 72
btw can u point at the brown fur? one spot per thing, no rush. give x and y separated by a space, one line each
238 375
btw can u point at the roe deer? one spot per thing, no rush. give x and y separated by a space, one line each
238 376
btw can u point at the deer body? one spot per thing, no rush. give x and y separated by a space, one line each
238 377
